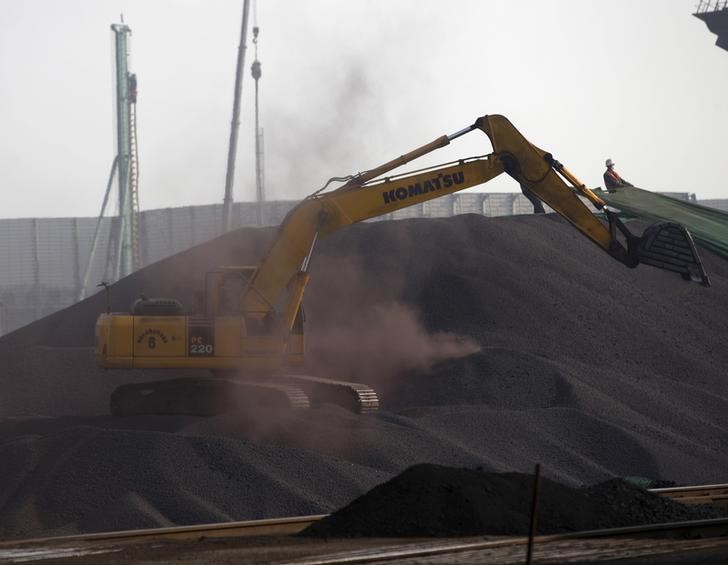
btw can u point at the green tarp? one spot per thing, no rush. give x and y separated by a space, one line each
708 226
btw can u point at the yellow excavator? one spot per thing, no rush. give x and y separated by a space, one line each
250 332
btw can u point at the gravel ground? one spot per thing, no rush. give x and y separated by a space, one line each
495 343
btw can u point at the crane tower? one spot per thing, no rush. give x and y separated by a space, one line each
127 233
259 177
123 254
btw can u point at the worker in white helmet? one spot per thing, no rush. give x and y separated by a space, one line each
612 180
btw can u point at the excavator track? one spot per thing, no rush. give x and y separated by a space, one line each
205 397
355 397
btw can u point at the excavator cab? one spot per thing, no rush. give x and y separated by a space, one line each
223 288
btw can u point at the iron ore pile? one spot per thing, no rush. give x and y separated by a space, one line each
494 344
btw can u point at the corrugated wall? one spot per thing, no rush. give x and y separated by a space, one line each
43 260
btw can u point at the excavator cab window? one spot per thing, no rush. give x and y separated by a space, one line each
298 322
232 288
224 288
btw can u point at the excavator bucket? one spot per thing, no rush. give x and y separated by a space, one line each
670 246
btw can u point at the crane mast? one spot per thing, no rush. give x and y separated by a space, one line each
259 178
125 258
235 122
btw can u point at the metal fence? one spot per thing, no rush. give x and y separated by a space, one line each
43 260
711 6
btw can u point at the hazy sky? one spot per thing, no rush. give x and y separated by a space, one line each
348 84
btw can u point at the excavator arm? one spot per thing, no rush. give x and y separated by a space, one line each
665 245
364 196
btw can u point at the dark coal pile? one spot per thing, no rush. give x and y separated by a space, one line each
438 501
496 343
633 505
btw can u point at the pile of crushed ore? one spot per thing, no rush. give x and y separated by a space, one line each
492 342
438 501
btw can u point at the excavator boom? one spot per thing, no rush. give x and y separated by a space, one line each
321 214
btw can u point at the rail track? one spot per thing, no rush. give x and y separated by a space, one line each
714 495
703 534
578 547
268 527
702 539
